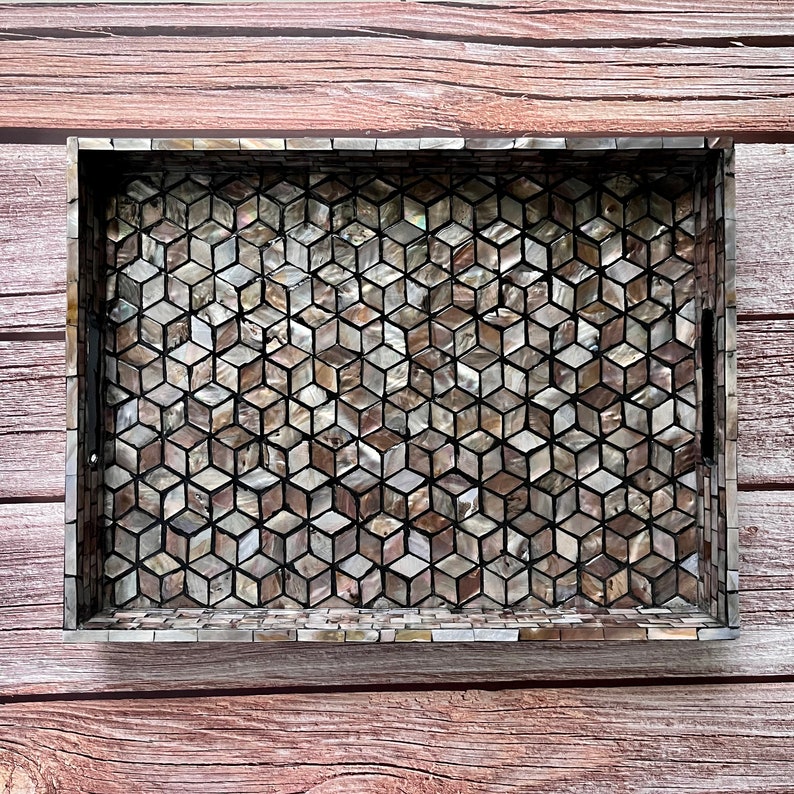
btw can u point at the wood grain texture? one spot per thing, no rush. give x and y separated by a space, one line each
31 561
34 396
31 558
646 21
766 402
719 738
70 670
764 232
32 238
32 465
384 84
766 546
32 418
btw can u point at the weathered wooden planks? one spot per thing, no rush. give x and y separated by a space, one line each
565 22
31 556
32 466
127 667
32 419
766 545
33 375
716 738
383 84
32 238
680 737
764 233
766 399
31 559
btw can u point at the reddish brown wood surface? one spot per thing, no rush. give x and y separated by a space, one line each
33 399
766 402
538 22
32 238
567 24
765 234
718 738
394 82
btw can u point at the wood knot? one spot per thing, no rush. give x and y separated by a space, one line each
19 776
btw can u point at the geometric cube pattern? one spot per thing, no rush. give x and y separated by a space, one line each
386 389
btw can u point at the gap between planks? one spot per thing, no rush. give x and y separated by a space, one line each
505 685
727 24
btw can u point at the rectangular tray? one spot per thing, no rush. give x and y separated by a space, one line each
399 389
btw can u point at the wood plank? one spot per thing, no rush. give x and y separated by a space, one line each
717 738
32 419
32 238
727 738
765 352
56 7
32 465
31 558
764 232
371 84
162 667
34 395
767 540
608 22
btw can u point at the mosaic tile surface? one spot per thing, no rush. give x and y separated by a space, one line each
389 390
353 387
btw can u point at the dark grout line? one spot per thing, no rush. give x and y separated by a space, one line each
367 689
